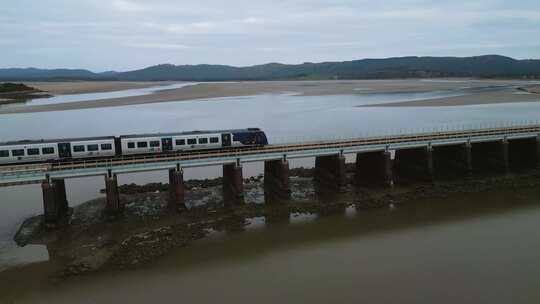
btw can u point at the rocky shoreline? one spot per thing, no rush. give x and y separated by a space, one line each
148 229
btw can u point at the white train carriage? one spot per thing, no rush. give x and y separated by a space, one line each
28 151
157 143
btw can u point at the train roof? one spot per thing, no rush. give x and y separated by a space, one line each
46 141
198 132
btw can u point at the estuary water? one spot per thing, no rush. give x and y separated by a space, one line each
380 262
475 248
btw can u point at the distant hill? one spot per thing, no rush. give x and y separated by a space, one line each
14 74
488 66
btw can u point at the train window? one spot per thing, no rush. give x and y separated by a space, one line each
142 144
131 145
79 148
106 147
180 142
47 150
33 151
154 143
191 141
214 140
93 147
17 152
4 153
203 140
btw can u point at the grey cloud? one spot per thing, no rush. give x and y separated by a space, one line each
127 34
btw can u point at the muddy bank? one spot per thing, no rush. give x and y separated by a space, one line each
148 229
18 92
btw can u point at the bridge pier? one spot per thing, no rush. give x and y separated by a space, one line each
176 190
113 205
538 153
414 165
330 172
374 168
233 184
524 154
276 181
55 205
453 161
491 157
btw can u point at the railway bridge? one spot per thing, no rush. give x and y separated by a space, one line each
416 157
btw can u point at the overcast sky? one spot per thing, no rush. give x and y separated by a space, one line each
127 34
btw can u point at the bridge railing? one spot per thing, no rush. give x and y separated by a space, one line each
277 148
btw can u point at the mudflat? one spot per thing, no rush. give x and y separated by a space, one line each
509 96
308 88
81 87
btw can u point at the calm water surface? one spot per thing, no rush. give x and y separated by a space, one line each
476 248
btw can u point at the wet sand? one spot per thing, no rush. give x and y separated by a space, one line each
466 100
308 88
81 87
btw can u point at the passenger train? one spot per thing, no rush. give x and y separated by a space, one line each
28 151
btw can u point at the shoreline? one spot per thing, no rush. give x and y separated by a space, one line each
304 88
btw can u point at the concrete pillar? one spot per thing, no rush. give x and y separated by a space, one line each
414 165
176 190
523 154
233 184
453 161
277 214
374 168
55 205
468 160
505 156
61 196
330 172
490 157
51 210
113 206
276 181
538 153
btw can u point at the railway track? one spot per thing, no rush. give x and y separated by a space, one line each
281 148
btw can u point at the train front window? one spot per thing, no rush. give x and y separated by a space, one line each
4 153
78 148
18 152
47 150
142 144
203 140
180 142
131 145
93 148
192 141
106 146
214 140
154 143
32 151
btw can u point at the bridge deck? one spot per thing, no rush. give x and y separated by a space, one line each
33 173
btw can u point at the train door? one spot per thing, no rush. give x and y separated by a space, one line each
226 139
166 144
64 150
